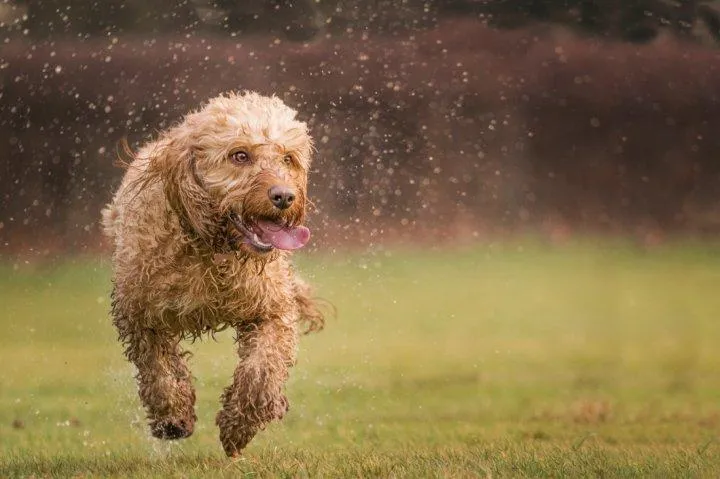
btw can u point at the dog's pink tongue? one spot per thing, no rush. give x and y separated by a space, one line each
284 237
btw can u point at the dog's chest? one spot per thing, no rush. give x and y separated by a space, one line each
232 291
193 295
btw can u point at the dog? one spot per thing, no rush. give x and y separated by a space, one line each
203 226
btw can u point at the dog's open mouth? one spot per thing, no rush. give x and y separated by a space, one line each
265 234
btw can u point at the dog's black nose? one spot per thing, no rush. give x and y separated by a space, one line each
281 196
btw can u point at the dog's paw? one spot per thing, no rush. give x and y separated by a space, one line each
171 430
234 434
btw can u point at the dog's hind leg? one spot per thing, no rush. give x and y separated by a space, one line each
267 350
164 381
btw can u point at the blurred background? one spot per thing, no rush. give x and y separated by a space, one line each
436 121
516 216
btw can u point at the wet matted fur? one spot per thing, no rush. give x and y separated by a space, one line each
187 260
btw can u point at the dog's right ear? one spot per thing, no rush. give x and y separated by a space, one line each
173 163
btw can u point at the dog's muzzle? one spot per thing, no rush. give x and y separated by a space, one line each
264 235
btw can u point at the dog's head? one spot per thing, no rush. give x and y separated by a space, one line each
241 162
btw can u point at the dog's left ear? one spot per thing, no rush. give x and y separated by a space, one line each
174 163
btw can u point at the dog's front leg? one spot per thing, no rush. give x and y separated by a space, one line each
267 350
164 381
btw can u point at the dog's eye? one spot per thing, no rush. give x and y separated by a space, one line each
239 157
288 159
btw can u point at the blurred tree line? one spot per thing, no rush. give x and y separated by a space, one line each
439 118
628 20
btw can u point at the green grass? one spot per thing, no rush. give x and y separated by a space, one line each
502 361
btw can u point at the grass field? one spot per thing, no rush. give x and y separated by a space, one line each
505 361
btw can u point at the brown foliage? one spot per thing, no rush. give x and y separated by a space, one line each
454 132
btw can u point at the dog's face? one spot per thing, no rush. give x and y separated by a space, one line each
249 160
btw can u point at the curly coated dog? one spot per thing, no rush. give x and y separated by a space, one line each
203 225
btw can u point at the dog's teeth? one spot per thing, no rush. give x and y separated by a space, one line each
259 242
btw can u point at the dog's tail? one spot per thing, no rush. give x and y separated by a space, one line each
110 218
312 309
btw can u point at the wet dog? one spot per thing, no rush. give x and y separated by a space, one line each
203 227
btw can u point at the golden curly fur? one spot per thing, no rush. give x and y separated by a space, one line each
184 262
